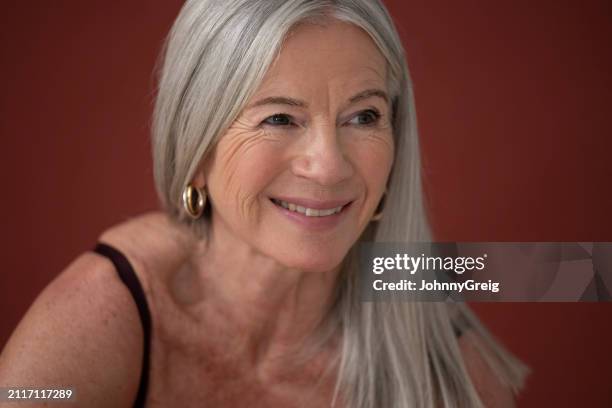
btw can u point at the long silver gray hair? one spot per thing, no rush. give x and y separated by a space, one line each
393 354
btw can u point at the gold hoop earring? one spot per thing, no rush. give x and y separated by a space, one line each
381 208
194 201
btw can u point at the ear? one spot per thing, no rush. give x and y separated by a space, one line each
199 179
201 173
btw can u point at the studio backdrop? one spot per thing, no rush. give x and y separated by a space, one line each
513 102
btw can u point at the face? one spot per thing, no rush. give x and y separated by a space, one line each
299 174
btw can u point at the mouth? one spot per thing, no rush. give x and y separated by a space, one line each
312 209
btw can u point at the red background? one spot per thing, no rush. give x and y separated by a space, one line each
513 100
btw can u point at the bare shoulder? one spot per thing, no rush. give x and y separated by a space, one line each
491 390
82 331
152 242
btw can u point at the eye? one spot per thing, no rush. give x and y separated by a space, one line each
278 119
365 118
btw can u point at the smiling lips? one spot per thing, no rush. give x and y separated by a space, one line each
305 207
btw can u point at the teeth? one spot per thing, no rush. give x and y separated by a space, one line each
309 212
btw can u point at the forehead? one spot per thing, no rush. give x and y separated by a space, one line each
332 51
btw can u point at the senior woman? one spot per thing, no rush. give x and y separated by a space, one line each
284 133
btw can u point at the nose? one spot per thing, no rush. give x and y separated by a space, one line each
322 158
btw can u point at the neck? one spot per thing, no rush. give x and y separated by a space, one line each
268 310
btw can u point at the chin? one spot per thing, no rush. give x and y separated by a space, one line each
317 262
314 254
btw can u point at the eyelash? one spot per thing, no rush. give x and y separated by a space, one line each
373 114
279 116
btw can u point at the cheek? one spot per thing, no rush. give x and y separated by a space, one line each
243 166
373 157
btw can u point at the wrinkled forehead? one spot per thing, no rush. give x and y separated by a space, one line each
328 51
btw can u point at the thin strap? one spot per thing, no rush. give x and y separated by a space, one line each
129 278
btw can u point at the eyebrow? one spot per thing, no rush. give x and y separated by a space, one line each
283 100
369 93
279 100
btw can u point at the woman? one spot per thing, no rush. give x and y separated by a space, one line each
284 133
